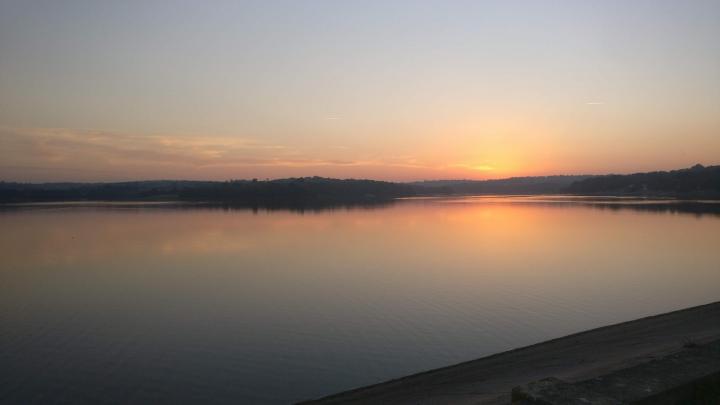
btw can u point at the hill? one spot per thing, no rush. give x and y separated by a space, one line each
283 192
694 182
513 185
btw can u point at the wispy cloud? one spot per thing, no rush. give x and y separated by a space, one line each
58 146
52 145
53 153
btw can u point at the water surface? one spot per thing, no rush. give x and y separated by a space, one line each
151 304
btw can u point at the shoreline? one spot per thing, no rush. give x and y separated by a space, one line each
572 358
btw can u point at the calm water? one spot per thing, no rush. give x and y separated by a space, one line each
127 304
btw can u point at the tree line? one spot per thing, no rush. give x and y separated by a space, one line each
695 182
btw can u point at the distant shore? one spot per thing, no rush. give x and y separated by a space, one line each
572 358
695 183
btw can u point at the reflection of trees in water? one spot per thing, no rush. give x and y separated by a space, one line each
697 208
610 203
302 208
299 208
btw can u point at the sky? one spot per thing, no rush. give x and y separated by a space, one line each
392 90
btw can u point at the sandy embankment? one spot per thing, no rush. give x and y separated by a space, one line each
572 358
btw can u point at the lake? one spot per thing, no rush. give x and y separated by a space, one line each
133 303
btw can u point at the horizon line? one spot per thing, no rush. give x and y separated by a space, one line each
347 178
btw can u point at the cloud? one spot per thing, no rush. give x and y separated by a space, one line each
50 145
39 154
60 154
